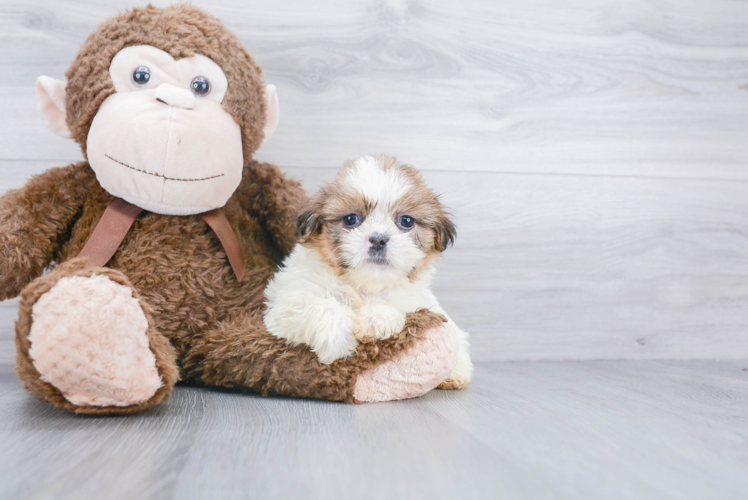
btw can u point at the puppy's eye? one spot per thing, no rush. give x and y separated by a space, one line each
200 86
351 220
406 221
141 76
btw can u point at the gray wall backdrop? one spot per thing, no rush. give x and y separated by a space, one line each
593 151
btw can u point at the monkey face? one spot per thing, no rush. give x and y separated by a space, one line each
167 106
163 141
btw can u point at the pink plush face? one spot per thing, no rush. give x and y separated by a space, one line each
147 143
163 140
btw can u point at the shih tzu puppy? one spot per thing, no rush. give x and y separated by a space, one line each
370 239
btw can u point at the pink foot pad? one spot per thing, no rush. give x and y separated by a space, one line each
414 372
88 339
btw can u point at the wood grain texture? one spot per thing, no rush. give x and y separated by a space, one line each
580 267
606 429
650 88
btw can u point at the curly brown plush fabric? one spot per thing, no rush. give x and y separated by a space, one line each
223 358
203 325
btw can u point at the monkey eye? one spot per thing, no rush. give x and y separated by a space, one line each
200 86
406 221
352 220
141 76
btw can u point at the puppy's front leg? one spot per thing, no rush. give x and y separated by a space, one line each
377 320
330 325
323 324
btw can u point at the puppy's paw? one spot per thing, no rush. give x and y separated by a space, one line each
453 382
377 321
333 338
335 347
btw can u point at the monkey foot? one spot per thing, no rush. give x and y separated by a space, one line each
88 339
86 343
412 372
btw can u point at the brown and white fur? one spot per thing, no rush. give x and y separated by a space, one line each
359 268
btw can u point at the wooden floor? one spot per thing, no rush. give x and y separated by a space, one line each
570 429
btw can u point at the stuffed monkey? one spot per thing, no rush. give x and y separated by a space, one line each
161 242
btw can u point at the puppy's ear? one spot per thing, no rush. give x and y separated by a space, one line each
446 232
308 219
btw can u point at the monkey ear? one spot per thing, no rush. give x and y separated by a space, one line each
273 111
50 101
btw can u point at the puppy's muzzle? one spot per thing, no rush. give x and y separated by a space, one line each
378 244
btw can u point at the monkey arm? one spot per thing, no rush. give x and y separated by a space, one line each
274 199
241 354
31 220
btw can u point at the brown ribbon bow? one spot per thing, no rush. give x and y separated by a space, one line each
119 217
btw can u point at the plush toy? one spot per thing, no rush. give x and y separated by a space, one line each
161 243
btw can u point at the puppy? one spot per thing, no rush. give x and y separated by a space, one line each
366 259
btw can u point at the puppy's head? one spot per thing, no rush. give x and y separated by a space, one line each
377 222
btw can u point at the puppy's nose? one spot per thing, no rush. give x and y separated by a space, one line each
378 241
175 96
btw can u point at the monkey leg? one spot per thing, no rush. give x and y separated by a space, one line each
86 342
240 354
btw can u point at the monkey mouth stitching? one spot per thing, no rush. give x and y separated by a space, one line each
162 176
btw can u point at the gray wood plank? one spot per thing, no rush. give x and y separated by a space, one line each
580 267
650 88
606 429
